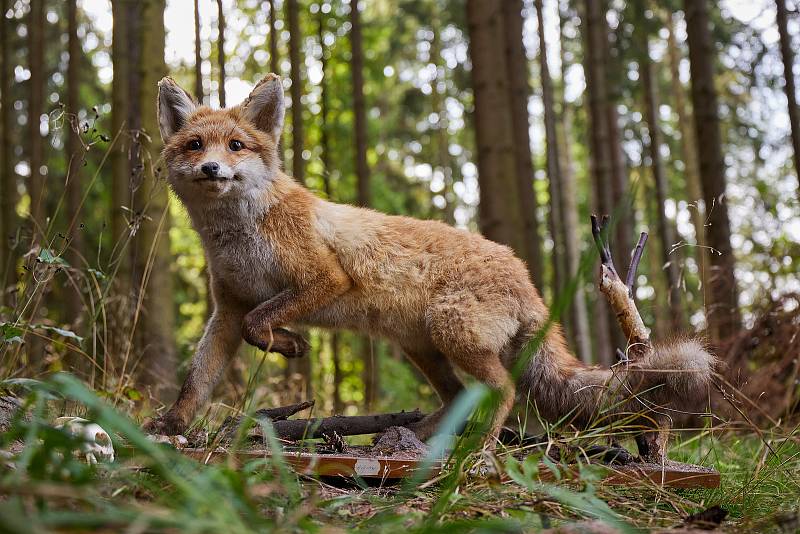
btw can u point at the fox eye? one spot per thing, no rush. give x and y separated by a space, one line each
194 144
235 145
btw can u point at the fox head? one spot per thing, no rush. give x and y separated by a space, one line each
221 153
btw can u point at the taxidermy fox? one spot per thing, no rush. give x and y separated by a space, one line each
278 255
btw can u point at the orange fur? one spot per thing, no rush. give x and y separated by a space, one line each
278 256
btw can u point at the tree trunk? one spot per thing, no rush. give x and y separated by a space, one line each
221 52
301 365
36 88
363 196
74 158
519 92
158 364
499 211
8 176
441 139
274 62
666 231
575 321
722 310
689 154
789 85
198 58
600 146
325 158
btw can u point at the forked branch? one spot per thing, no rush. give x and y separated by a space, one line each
619 293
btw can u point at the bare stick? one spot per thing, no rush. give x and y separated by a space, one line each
630 280
230 424
619 294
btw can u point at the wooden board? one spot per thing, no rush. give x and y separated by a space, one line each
672 474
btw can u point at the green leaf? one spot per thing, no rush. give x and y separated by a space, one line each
46 255
10 333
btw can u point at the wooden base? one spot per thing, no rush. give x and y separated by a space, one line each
671 474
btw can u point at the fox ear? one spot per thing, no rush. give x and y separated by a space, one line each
174 107
264 107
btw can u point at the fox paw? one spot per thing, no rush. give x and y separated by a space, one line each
169 424
279 340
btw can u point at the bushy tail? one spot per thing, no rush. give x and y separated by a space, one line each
673 378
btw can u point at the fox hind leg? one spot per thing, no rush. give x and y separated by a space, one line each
440 374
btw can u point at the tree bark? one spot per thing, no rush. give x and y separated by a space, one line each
158 364
274 62
36 88
301 365
568 259
8 176
722 309
789 83
363 197
519 92
600 146
666 231
689 154
221 52
325 158
499 213
198 58
74 158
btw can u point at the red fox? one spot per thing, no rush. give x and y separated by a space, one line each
278 256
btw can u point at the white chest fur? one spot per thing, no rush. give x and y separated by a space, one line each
240 256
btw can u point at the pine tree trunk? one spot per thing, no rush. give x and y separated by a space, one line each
221 52
601 146
722 309
363 196
198 58
158 364
36 88
74 158
789 83
577 330
444 160
325 158
499 213
274 62
8 176
519 92
302 365
666 231
689 154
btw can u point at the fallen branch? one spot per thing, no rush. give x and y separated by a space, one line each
295 429
231 424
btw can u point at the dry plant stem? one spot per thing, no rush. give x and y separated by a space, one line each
651 444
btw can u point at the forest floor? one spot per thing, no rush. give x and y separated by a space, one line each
44 487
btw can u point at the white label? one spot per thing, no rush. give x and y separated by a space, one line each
367 467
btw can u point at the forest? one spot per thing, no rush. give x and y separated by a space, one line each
515 119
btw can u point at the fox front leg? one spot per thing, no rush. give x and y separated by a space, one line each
218 345
280 340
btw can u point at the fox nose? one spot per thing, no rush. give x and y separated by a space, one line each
210 169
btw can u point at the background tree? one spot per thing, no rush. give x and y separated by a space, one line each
723 309
75 158
787 53
35 109
221 52
665 228
198 57
8 177
157 364
563 211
